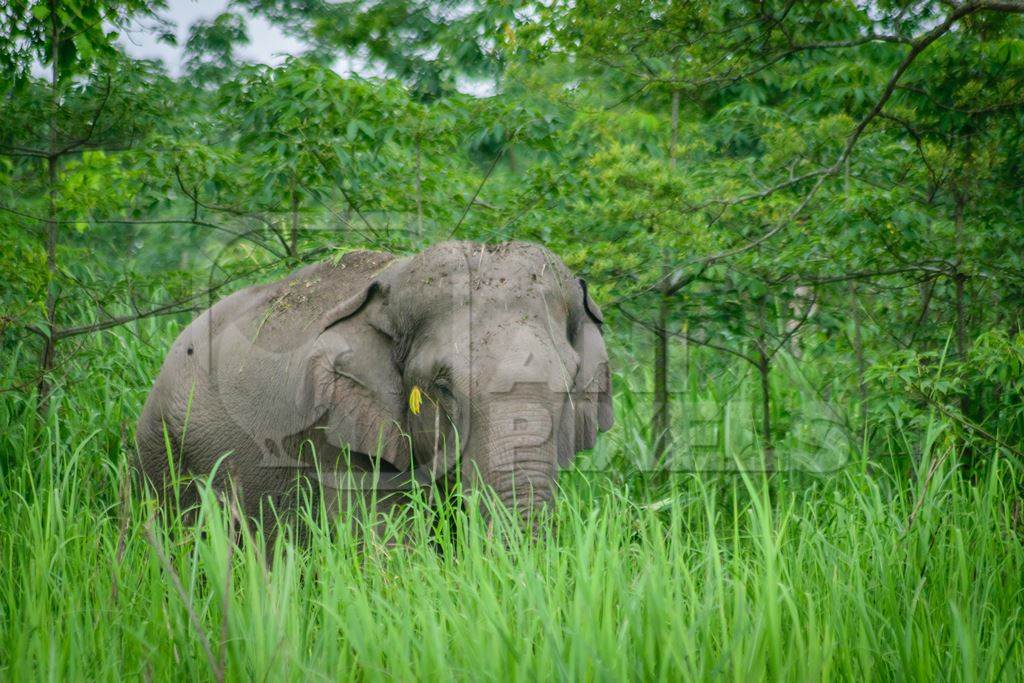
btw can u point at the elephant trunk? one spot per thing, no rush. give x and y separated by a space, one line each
517 458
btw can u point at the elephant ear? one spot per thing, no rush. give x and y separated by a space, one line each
590 399
351 381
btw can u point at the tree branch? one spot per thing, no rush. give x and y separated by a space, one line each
151 221
680 335
917 46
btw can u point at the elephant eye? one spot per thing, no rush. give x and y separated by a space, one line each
443 385
572 327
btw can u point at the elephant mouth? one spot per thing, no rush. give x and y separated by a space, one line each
361 472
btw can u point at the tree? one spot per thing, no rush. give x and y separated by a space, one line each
72 39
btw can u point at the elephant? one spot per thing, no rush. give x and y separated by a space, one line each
372 373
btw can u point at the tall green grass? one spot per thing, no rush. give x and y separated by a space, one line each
705 576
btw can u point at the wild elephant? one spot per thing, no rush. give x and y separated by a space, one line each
364 373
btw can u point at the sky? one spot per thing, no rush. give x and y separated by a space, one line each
267 44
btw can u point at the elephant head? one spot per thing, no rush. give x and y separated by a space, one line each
488 358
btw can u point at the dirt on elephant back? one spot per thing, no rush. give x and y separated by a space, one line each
291 308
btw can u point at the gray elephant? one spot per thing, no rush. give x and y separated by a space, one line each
369 372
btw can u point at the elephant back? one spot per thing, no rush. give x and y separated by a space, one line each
283 315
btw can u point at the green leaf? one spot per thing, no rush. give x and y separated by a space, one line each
352 130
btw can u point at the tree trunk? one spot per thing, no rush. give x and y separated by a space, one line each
293 244
959 279
686 352
764 369
419 191
661 418
858 352
961 339
961 323
46 358
660 425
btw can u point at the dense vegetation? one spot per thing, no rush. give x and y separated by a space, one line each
803 222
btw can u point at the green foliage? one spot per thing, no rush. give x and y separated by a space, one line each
28 28
981 393
428 45
210 48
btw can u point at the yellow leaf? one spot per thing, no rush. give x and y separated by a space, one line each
415 400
